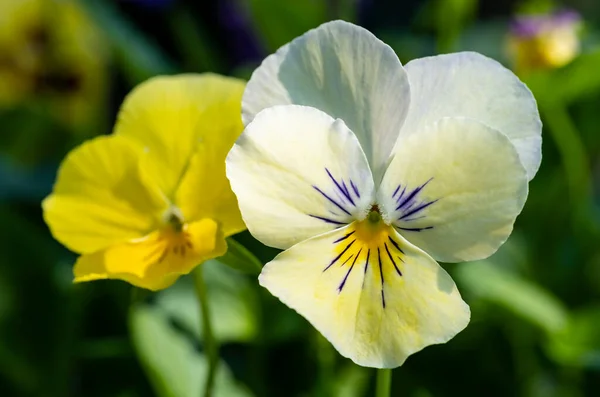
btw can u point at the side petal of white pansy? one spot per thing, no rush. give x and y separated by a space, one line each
468 84
372 294
297 173
345 71
454 189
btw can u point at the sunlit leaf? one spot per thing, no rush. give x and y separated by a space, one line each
232 301
139 57
173 364
351 381
579 343
239 258
577 80
513 292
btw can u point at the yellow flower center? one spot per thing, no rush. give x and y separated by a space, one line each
371 244
174 237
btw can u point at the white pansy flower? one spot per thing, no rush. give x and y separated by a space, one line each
367 172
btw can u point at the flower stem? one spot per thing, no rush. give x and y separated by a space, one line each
384 382
211 347
572 152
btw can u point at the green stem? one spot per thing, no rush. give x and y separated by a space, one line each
211 347
572 152
384 382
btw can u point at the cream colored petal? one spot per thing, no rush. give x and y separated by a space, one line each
345 71
377 300
468 84
297 173
454 189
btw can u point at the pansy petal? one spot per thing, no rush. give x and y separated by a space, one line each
468 84
297 172
101 197
454 189
169 116
377 300
345 71
204 191
156 261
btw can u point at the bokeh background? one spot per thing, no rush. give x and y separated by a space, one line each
65 66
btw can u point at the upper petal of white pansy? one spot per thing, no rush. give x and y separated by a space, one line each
468 84
372 294
297 173
345 71
454 189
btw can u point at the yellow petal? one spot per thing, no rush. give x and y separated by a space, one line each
156 261
205 191
372 294
101 198
170 116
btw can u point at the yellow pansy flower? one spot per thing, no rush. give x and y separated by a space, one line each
51 50
151 201
544 40
366 172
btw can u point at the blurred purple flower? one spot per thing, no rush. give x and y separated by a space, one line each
544 40
533 25
242 39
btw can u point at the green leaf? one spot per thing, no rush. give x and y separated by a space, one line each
577 80
239 258
232 302
293 19
139 57
520 296
351 381
175 368
578 344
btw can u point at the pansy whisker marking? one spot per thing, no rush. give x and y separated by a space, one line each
328 220
341 286
354 188
344 237
417 209
344 192
332 200
392 259
339 256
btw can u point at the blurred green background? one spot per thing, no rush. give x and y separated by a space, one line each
65 66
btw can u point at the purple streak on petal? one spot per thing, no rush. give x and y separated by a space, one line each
339 256
331 200
412 195
341 286
415 229
344 237
340 188
354 188
418 208
392 259
322 218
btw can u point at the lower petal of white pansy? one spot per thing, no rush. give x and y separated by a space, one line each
454 189
372 294
297 173
468 84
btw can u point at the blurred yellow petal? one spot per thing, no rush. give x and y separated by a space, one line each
100 197
205 191
171 116
156 261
